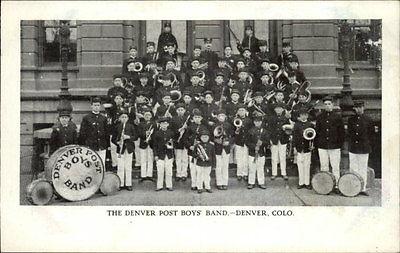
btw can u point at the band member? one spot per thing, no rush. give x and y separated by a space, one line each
179 125
115 112
219 89
132 75
197 53
124 136
278 140
165 88
232 106
204 153
118 87
302 104
303 148
167 108
330 138
151 54
146 129
242 125
262 109
243 85
193 137
194 70
144 86
64 132
263 53
170 68
209 109
228 57
249 41
240 64
195 88
94 132
265 83
223 67
248 60
209 56
360 130
166 37
163 154
223 139
257 140
285 56
188 102
133 57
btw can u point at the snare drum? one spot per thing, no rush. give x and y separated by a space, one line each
110 184
39 192
323 182
76 172
350 184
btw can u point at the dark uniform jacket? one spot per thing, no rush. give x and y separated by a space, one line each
160 140
142 128
208 110
263 106
360 132
259 56
240 135
129 60
176 123
227 136
162 109
217 90
164 39
302 145
283 59
231 109
147 89
150 58
94 132
243 86
210 152
158 94
128 143
62 136
275 124
212 58
114 91
253 135
193 136
250 42
330 131
296 108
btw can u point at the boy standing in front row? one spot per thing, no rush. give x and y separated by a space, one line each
204 152
257 140
164 154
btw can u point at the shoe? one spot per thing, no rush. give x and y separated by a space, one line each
129 188
159 189
250 186
170 189
365 193
224 187
336 190
177 179
273 177
285 178
142 179
209 190
199 191
193 188
239 178
308 187
219 187
150 179
245 178
262 186
183 179
300 186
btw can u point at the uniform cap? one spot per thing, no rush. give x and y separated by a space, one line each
303 110
207 40
358 103
197 112
187 93
150 43
258 94
169 44
286 44
246 49
219 73
180 105
293 58
327 98
221 111
163 119
239 60
257 118
204 132
248 27
167 24
197 47
118 76
263 43
235 91
245 69
96 100
64 113
208 92
279 104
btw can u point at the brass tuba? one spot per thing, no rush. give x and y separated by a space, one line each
138 67
309 134
218 132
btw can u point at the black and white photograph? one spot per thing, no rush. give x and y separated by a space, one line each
200 126
201 112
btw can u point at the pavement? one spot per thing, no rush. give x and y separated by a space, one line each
278 193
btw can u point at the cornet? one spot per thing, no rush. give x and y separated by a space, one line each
238 123
170 144
309 134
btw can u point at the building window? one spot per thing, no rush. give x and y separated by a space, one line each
50 43
366 38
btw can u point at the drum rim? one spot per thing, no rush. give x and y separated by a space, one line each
323 173
102 174
31 187
114 175
352 173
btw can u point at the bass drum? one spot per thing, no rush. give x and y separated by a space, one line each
350 184
76 172
39 192
110 184
323 182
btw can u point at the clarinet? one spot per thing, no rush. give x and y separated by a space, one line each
257 148
122 140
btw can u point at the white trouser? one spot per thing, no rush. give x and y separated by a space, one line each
232 156
331 156
164 170
242 154
181 160
203 177
359 164
137 152
102 154
256 167
113 151
278 155
303 166
193 170
125 168
221 169
146 162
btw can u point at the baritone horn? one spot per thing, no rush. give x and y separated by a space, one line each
138 66
309 134
218 132
238 123
273 67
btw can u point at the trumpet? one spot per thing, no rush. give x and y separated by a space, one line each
238 123
309 134
202 76
138 66
273 67
288 128
202 153
269 95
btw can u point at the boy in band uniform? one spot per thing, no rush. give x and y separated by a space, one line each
133 57
263 53
209 56
118 88
64 132
164 154
124 136
188 102
205 160
146 145
167 108
151 54
257 140
278 140
208 109
94 132
240 149
222 150
193 137
144 86
360 130
303 148
330 138
249 41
